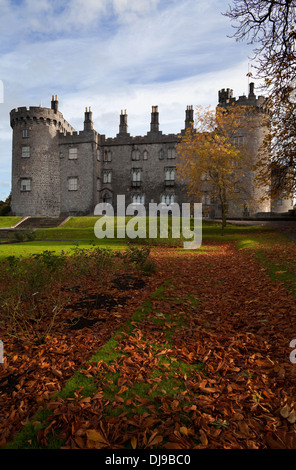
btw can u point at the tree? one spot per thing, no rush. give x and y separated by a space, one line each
270 26
5 206
211 163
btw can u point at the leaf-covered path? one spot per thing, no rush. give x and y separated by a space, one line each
202 363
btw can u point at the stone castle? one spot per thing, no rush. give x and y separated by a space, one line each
57 171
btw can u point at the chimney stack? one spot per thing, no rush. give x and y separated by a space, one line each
123 127
154 126
189 117
88 122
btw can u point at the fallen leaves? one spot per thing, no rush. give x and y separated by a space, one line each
156 394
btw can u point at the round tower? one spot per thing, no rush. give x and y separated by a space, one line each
35 160
253 138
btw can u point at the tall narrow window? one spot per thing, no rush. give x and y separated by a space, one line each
25 152
98 155
25 132
107 176
73 184
72 153
107 156
136 177
172 152
135 154
145 155
169 176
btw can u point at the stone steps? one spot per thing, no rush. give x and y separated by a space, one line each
39 222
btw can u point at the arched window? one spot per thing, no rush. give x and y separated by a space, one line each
138 199
107 198
168 199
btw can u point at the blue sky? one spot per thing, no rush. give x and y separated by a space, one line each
113 55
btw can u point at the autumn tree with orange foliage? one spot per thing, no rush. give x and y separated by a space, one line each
211 163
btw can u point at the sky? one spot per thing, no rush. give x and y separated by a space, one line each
114 55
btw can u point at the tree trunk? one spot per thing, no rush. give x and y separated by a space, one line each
224 209
223 219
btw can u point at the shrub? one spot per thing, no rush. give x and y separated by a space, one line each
19 235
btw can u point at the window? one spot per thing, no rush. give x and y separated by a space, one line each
169 176
168 199
135 154
161 154
136 177
72 153
239 140
61 155
25 132
107 156
145 155
138 199
98 184
25 184
107 176
98 155
25 152
172 152
206 199
107 198
73 184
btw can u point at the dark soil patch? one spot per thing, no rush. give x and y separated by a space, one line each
128 282
8 384
84 323
97 301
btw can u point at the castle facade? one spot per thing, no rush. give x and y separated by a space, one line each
59 171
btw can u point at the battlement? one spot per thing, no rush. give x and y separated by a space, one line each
79 136
39 115
149 138
225 98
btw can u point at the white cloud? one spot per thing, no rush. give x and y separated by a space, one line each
113 55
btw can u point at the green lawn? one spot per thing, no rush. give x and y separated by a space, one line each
7 222
28 248
80 230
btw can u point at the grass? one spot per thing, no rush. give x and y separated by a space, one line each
80 228
28 248
7 222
